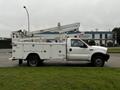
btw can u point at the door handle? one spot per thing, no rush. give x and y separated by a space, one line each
91 49
70 49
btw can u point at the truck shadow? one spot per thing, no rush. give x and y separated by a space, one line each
68 65
63 64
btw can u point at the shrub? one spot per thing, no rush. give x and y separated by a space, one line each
91 42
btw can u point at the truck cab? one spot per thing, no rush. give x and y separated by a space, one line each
78 50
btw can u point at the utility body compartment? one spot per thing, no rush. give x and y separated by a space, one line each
45 50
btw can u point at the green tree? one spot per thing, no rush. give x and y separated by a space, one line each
116 35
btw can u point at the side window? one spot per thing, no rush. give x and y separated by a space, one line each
76 43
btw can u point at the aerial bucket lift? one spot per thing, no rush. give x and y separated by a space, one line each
39 34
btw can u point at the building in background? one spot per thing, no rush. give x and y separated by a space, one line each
100 37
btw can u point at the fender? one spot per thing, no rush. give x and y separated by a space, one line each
105 56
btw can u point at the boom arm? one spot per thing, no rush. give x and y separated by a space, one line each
60 29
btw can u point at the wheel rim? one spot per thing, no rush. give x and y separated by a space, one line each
33 61
98 62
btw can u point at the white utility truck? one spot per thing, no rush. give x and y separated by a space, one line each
35 50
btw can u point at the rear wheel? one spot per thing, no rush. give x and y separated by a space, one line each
33 60
98 61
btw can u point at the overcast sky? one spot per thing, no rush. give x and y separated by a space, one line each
92 14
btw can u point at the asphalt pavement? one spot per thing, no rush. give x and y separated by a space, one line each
5 54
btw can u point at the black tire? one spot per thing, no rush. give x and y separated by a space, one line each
20 62
98 61
33 60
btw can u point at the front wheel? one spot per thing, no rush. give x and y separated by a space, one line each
98 61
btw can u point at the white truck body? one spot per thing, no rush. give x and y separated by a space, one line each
58 50
36 50
44 50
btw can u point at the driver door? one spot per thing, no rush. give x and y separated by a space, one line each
78 50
